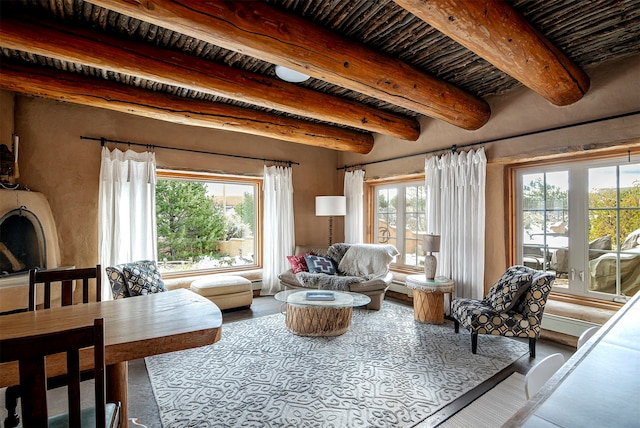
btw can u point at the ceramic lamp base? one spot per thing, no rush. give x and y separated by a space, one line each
430 264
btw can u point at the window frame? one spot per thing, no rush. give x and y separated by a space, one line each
258 207
605 157
371 186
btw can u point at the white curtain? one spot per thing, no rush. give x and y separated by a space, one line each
126 209
455 191
354 220
279 233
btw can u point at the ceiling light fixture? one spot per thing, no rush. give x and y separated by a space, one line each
289 75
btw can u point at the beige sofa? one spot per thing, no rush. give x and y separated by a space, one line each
374 287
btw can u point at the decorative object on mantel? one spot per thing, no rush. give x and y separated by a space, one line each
9 171
331 206
431 244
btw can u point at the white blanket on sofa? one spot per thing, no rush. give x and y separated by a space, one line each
368 261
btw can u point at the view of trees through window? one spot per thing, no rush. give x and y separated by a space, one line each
583 223
205 224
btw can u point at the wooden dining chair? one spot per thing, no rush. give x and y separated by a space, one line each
50 280
31 352
65 278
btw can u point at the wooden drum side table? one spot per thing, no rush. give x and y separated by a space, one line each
428 299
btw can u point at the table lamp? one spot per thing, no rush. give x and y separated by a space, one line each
430 244
331 206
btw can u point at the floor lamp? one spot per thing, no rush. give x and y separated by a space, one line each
331 206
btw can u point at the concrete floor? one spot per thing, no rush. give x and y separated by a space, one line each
143 407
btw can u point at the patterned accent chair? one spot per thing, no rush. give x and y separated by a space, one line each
513 307
134 279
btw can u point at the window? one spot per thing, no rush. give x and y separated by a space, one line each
399 219
206 221
582 221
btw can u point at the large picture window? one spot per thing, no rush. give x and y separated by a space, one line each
206 221
399 219
582 221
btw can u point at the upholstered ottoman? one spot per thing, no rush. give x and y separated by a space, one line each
226 291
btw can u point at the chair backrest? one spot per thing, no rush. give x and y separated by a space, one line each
586 335
539 374
65 278
535 299
30 352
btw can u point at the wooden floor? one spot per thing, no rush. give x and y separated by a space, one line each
142 403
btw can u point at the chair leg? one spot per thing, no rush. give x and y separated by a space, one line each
474 343
11 401
532 347
456 326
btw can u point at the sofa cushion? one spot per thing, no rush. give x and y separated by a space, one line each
506 292
298 263
317 264
143 278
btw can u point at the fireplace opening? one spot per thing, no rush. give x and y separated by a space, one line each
22 243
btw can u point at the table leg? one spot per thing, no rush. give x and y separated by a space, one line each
118 390
428 307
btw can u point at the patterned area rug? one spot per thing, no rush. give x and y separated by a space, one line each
386 371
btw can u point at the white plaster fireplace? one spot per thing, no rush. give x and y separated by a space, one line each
28 227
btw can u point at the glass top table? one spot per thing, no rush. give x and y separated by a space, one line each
319 312
325 298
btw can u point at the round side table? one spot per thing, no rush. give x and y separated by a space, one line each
428 299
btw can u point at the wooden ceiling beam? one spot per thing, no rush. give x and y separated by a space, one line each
146 61
257 29
496 32
95 92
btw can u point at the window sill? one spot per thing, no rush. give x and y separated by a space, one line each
582 310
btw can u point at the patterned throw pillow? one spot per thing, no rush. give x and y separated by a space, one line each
505 293
118 283
298 263
317 264
143 278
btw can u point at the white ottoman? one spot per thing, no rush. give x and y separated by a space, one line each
226 291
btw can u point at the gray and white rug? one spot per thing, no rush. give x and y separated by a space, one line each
386 371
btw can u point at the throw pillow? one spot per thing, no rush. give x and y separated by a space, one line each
117 281
143 278
317 264
505 293
298 263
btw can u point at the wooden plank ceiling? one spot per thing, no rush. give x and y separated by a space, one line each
375 66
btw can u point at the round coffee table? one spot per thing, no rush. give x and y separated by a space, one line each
306 316
428 299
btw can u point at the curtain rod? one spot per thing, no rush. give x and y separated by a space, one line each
153 146
524 134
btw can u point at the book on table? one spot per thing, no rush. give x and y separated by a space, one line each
320 295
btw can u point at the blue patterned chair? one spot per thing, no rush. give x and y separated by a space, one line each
513 307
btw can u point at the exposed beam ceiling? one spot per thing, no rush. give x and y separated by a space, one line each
376 66
264 32
114 54
140 102
497 33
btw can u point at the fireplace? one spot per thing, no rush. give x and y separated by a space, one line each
28 239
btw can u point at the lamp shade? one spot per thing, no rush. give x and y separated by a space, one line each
331 205
431 243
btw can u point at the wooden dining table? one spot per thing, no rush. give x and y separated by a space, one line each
135 327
